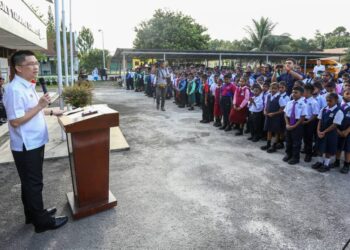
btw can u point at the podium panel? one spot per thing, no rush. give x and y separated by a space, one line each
88 135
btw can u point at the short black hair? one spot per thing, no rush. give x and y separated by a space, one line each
330 85
332 96
309 87
282 83
19 57
228 75
292 60
318 85
347 75
256 86
298 88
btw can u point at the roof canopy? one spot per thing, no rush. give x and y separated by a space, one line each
215 55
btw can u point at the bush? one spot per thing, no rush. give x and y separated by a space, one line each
79 95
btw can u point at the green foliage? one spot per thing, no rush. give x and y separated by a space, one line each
50 31
79 95
171 30
85 40
260 33
93 58
346 58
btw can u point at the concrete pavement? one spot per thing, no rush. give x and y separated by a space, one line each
186 185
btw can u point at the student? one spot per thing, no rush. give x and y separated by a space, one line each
182 91
191 87
273 122
204 91
284 99
227 92
331 88
343 132
256 114
329 118
294 118
321 100
239 111
217 96
265 92
310 123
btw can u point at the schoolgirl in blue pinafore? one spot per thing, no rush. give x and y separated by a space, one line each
273 124
328 144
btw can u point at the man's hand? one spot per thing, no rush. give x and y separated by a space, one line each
44 101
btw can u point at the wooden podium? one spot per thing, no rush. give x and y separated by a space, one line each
88 133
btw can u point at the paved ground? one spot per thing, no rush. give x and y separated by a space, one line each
187 185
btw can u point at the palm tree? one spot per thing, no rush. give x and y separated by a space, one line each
260 32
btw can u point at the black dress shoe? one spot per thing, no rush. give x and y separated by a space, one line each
163 109
255 139
336 164
222 127
286 158
279 145
54 224
344 169
293 161
239 133
271 150
250 138
317 165
51 211
266 147
307 158
323 169
228 128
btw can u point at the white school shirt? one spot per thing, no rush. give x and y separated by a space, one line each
284 99
258 105
321 101
20 96
300 108
213 88
338 118
319 68
312 107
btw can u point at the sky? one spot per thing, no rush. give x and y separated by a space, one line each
224 19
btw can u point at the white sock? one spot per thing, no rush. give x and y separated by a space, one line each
320 159
326 162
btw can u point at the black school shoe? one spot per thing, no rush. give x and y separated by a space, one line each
250 138
272 149
240 132
317 165
256 139
279 145
307 158
344 169
323 169
286 158
293 161
228 128
50 211
336 164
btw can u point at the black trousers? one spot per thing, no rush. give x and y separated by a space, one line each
205 110
2 110
255 124
183 98
309 131
225 106
211 107
30 170
293 141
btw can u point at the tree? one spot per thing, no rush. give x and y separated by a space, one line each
93 58
171 30
260 32
346 58
50 31
85 40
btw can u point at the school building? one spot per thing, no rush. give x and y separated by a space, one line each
20 28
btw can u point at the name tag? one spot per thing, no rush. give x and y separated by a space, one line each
347 114
331 115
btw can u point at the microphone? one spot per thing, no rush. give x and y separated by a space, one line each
43 86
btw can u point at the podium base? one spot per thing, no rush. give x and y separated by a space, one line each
80 212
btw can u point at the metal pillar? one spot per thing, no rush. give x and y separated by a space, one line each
220 60
59 60
65 53
267 59
124 71
71 44
305 64
164 57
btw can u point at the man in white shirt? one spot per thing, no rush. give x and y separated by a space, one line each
28 136
319 68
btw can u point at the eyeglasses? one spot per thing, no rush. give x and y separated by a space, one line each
30 64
